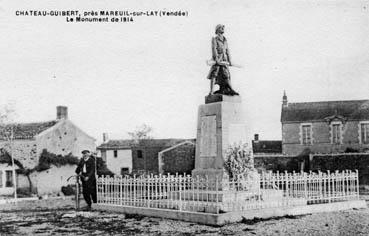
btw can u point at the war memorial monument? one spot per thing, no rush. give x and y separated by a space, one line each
221 120
214 195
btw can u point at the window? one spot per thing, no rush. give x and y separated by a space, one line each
336 133
9 178
306 134
364 129
124 171
139 153
115 153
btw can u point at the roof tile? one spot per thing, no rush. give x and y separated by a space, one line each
25 130
309 111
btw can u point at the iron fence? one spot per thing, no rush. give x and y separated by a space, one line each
213 195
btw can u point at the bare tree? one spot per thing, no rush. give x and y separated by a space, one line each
140 136
142 132
7 115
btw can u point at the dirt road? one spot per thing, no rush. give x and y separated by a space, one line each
57 217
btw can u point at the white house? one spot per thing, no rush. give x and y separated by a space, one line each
60 137
117 155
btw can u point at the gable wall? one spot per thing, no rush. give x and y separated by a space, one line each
65 138
179 160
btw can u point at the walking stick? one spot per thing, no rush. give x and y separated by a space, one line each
77 190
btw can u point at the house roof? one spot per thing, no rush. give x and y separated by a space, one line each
129 143
117 144
25 130
267 146
314 111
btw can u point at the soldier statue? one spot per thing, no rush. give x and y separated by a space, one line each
221 60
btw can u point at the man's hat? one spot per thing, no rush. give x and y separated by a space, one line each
218 27
85 151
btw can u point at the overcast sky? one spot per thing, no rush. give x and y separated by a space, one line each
116 76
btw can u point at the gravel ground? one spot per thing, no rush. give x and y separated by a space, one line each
57 217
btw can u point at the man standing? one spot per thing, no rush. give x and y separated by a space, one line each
219 72
86 169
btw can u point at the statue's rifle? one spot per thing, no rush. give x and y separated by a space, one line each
223 63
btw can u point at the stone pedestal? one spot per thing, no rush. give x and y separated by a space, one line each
220 123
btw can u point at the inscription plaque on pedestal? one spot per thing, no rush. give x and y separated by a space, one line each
208 138
220 124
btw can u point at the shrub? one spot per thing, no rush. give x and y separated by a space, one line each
101 168
47 159
239 160
68 190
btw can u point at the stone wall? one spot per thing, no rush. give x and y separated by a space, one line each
149 161
281 163
316 162
179 160
25 151
291 143
345 161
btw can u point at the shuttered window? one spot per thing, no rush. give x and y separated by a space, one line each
336 133
306 134
9 178
364 133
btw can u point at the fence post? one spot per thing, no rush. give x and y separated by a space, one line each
216 194
356 181
179 189
120 191
287 186
329 186
320 185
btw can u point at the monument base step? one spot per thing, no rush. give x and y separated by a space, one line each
222 207
226 196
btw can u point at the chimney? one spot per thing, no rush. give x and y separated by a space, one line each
284 100
61 113
105 137
256 137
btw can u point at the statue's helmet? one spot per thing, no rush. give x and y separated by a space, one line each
218 27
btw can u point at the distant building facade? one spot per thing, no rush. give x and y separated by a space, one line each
179 158
151 156
145 156
117 154
58 136
266 147
325 127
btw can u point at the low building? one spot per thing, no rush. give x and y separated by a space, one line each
325 127
266 147
151 156
117 154
60 137
145 156
178 159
